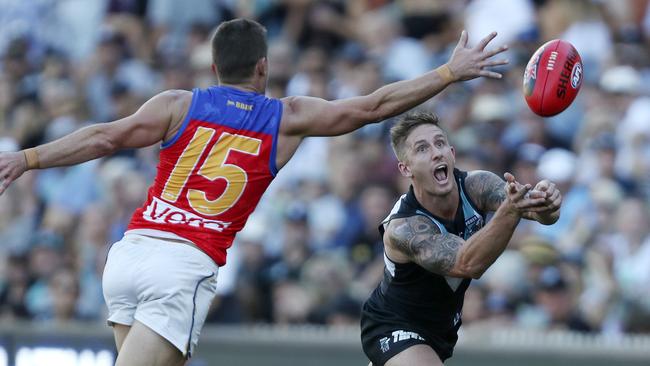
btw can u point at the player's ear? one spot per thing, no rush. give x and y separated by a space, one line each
262 67
404 169
214 69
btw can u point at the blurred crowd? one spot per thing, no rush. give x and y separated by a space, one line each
311 253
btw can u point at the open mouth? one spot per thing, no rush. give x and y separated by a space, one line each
441 173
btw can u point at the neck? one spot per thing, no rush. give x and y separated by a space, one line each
247 86
444 205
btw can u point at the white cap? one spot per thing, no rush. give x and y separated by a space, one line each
557 165
621 79
490 107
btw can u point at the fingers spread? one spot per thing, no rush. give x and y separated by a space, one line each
490 74
493 63
481 45
462 42
497 51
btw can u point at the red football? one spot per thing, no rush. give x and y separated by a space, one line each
552 78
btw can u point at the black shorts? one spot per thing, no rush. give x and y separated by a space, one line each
382 339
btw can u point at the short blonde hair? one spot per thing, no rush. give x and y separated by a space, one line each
401 130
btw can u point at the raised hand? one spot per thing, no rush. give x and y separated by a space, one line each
553 197
523 198
544 201
468 63
12 166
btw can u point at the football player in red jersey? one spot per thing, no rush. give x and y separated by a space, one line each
221 147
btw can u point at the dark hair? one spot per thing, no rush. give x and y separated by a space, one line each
401 130
237 45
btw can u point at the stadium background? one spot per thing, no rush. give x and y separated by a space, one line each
311 253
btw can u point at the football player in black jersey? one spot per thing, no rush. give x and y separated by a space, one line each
436 240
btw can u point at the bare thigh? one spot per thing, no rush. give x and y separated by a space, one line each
418 355
143 347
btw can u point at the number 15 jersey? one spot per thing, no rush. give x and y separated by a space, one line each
213 172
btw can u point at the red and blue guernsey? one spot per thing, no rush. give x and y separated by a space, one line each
213 172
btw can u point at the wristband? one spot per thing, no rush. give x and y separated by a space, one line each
31 156
445 74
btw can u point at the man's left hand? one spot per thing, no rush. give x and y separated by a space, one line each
553 195
549 212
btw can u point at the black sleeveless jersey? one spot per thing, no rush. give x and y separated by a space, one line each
411 297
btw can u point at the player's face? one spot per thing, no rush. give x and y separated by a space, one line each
429 160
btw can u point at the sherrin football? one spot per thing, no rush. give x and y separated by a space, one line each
552 78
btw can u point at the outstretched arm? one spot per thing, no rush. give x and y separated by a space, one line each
308 116
419 240
487 191
145 127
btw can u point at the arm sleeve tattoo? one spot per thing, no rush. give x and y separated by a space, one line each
486 189
420 239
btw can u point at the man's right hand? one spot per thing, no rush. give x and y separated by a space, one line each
521 199
12 166
469 63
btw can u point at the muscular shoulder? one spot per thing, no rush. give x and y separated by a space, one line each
486 189
419 240
177 93
176 99
298 112
178 104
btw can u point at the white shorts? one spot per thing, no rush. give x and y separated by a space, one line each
167 286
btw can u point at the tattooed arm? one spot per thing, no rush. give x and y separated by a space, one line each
417 239
486 189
